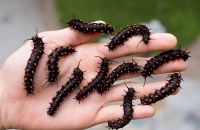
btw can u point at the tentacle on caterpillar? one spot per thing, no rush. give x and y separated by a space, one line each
85 27
54 58
128 32
125 68
172 85
33 61
162 58
128 111
91 86
71 84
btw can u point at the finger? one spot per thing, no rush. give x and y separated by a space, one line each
172 66
176 92
112 112
69 36
159 41
117 91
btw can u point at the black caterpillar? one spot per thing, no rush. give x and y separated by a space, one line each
128 32
102 74
128 111
162 58
53 61
172 85
86 27
71 84
32 64
122 69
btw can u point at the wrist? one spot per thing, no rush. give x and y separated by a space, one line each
1 102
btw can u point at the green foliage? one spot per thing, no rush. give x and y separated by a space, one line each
181 18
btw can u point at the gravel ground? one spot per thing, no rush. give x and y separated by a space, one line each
18 20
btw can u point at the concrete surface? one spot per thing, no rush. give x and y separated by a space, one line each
18 21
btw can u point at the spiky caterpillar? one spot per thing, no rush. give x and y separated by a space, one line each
86 27
162 58
54 59
128 111
32 64
172 85
91 86
128 32
120 70
71 84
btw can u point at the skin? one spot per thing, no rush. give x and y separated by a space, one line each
29 112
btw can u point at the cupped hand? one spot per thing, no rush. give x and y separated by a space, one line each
17 110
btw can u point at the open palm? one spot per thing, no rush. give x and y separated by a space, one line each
30 112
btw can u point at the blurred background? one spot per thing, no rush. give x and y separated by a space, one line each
20 18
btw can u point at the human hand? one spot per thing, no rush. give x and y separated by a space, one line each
30 112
